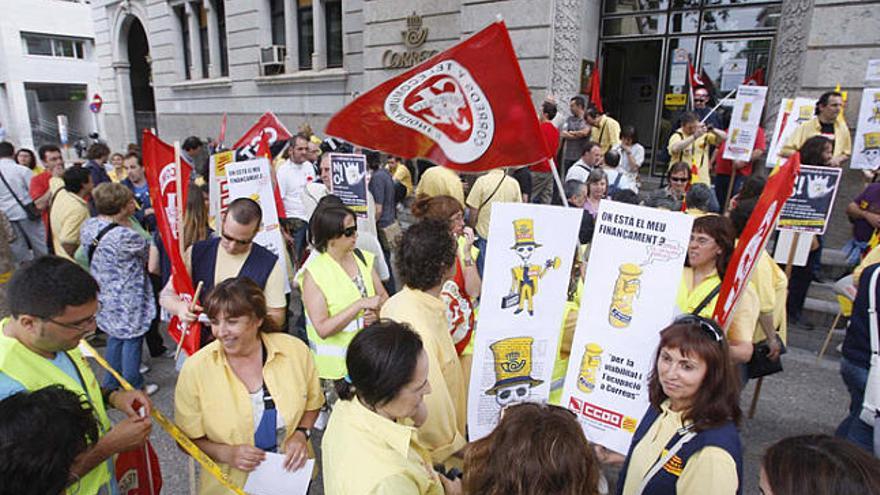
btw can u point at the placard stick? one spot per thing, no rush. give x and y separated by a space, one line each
726 204
558 181
186 330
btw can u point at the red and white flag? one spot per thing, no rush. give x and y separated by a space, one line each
159 168
246 148
754 236
755 78
595 90
467 108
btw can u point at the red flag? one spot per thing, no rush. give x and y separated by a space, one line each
755 78
222 136
138 471
751 242
246 146
696 80
161 177
467 108
265 150
595 94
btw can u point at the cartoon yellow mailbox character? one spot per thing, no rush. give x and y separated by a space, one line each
526 276
513 369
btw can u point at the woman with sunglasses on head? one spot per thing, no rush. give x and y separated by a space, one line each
709 252
687 442
252 390
678 178
341 291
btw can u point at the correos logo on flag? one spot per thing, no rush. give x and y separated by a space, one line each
447 105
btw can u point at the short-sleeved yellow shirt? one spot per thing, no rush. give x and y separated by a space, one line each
606 133
481 192
744 317
402 175
812 127
229 265
443 432
67 215
211 402
771 286
697 153
440 181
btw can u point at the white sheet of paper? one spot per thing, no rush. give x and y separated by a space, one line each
270 477
783 243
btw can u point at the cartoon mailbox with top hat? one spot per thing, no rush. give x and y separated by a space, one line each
871 150
513 367
526 275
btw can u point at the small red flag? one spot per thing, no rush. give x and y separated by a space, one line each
755 78
159 169
247 145
754 237
595 94
222 136
467 108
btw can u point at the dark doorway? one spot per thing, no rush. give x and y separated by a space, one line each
141 79
630 75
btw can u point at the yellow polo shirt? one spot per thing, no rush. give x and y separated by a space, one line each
67 215
402 175
481 192
440 181
443 431
812 127
697 153
229 265
210 400
606 133
744 317
871 258
771 286
364 453
711 470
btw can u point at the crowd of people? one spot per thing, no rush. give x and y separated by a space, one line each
362 331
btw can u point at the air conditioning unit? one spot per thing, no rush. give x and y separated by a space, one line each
272 59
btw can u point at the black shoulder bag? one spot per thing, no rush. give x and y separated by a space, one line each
94 245
30 209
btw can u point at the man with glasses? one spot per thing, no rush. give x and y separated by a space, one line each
231 255
54 303
702 108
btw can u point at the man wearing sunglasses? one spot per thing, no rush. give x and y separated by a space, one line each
231 255
54 303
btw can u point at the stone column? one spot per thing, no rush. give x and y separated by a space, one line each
566 62
213 39
195 44
122 74
319 57
790 48
291 38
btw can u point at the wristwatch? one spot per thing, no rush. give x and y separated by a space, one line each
305 431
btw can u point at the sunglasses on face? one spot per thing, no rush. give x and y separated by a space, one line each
709 328
239 242
678 179
350 231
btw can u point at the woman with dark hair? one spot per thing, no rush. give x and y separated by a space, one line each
709 252
818 465
817 150
632 154
678 179
371 446
26 158
342 292
252 390
597 186
425 260
687 442
535 448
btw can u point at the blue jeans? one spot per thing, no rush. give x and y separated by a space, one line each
124 355
480 244
852 428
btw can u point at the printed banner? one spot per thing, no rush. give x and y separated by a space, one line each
250 179
218 185
159 169
754 237
866 149
635 266
792 113
528 264
809 207
744 123
348 172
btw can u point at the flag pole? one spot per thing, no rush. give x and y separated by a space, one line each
720 102
178 197
558 181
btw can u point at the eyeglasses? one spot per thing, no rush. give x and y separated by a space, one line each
81 325
697 98
709 327
680 180
350 231
240 242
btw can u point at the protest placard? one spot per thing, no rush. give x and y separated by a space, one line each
634 271
744 122
348 174
218 186
792 113
528 264
866 149
250 179
809 207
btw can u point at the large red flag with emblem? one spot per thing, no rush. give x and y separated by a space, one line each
754 236
162 180
467 108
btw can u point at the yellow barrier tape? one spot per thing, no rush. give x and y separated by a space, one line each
180 437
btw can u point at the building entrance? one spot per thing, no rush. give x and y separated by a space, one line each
141 79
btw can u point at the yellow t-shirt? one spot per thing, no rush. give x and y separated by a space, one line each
402 175
443 432
228 266
210 401
771 286
364 453
697 153
481 192
812 127
67 215
871 258
711 470
440 181
606 133
744 317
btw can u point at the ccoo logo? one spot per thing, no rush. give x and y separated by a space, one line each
446 104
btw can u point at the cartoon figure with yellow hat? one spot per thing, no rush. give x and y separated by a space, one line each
526 276
513 365
875 112
871 150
